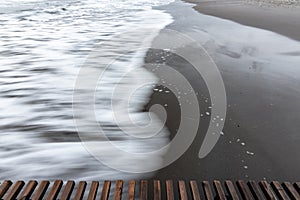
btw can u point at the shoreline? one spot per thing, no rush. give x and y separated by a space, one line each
277 18
258 90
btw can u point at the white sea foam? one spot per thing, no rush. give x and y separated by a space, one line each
43 44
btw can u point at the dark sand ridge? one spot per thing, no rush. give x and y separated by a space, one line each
262 85
284 20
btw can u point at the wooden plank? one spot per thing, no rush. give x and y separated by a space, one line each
182 190
291 191
93 190
267 190
27 192
80 190
118 190
66 194
231 190
279 190
16 188
40 192
219 189
286 191
194 190
207 190
157 190
144 190
105 190
246 195
131 189
169 190
256 192
4 187
297 186
55 190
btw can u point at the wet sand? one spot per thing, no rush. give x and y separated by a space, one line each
284 20
261 74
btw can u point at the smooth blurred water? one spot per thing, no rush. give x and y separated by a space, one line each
43 44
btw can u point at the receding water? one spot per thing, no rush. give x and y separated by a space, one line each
43 45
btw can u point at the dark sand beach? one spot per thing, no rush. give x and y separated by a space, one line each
262 80
281 19
53 55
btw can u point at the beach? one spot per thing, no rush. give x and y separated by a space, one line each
278 16
79 76
261 76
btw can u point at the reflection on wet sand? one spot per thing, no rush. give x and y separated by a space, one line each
261 74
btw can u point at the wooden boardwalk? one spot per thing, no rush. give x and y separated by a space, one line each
147 189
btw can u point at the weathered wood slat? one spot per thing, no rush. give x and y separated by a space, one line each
55 190
297 186
16 188
245 193
266 188
207 190
93 190
27 192
262 191
157 190
231 190
131 189
195 190
169 190
291 191
40 192
80 190
4 187
144 190
118 190
182 190
66 194
220 192
279 190
256 192
105 190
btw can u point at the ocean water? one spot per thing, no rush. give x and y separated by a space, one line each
43 47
